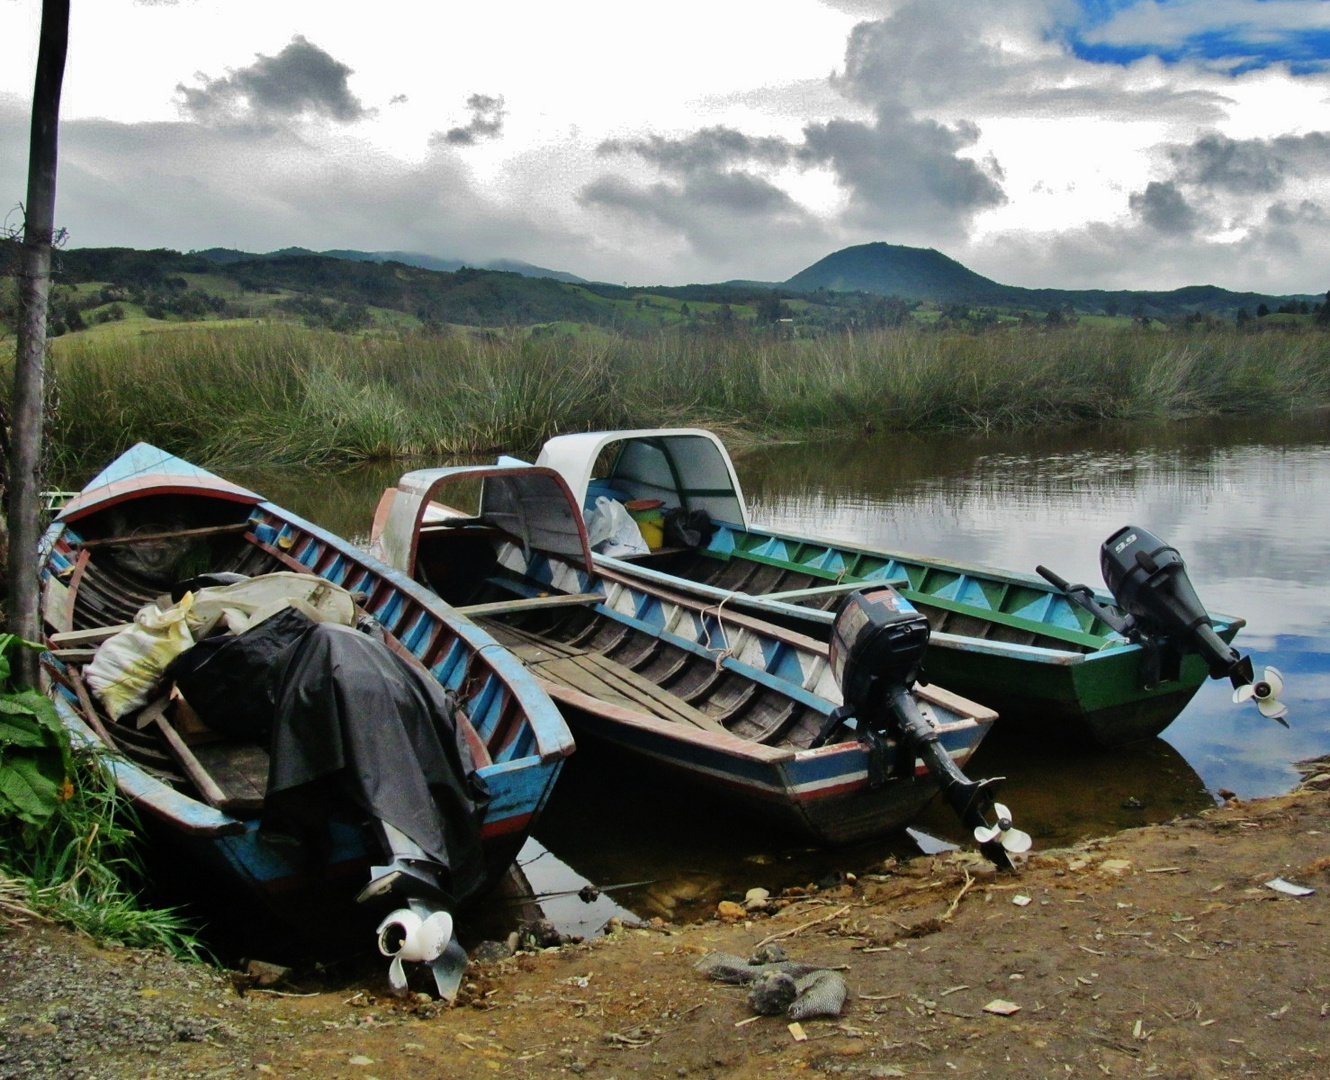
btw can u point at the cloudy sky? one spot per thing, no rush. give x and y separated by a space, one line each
1069 143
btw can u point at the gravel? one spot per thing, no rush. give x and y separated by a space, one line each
68 1009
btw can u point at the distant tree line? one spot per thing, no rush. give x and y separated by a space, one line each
342 294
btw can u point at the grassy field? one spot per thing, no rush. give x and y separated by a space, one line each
282 394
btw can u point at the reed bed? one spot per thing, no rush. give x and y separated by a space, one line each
284 395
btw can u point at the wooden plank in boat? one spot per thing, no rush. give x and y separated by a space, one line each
237 802
507 635
55 603
174 534
639 684
78 639
838 587
503 607
74 656
596 674
90 716
240 769
536 654
964 707
600 681
634 556
568 672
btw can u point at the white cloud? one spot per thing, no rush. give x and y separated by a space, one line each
753 137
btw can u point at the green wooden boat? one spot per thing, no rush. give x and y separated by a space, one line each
1012 641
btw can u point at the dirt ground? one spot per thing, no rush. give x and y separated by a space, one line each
1159 952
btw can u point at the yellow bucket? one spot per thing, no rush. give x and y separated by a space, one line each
653 532
650 520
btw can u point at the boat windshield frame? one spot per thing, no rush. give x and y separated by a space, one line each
530 503
575 457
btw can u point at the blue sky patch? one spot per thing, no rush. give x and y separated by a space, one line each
1103 36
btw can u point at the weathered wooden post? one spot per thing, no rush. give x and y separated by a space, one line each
29 368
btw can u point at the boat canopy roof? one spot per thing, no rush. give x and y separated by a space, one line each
531 504
686 467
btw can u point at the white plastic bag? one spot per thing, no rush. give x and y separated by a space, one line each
247 603
612 531
126 669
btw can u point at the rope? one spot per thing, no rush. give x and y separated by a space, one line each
726 651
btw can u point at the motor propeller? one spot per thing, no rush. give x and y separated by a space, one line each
422 930
1265 692
1011 839
405 935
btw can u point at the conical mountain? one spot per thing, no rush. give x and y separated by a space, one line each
895 270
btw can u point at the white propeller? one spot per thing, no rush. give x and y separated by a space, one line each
1013 840
1266 694
404 935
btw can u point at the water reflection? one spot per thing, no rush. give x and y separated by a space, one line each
1247 502
342 500
614 818
559 890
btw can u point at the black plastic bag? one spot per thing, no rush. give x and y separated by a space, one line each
227 679
688 528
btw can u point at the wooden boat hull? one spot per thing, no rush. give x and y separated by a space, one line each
728 700
1045 677
823 795
517 735
1094 697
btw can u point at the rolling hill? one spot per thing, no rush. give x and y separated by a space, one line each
923 274
862 287
227 256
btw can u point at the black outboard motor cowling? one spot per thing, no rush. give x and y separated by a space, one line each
878 638
1149 580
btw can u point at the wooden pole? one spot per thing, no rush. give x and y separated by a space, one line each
30 364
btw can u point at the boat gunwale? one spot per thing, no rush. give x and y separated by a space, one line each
554 742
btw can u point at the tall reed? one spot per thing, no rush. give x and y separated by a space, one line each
281 394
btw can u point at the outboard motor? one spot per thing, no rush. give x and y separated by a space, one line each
1149 581
877 648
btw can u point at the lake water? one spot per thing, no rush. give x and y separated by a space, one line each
1246 502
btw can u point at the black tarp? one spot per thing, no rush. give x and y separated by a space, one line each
346 705
349 716
228 678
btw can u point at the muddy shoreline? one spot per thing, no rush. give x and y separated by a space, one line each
1159 951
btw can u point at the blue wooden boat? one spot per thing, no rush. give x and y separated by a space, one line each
207 799
727 699
1013 641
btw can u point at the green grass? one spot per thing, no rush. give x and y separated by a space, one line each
82 867
216 285
67 837
278 393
